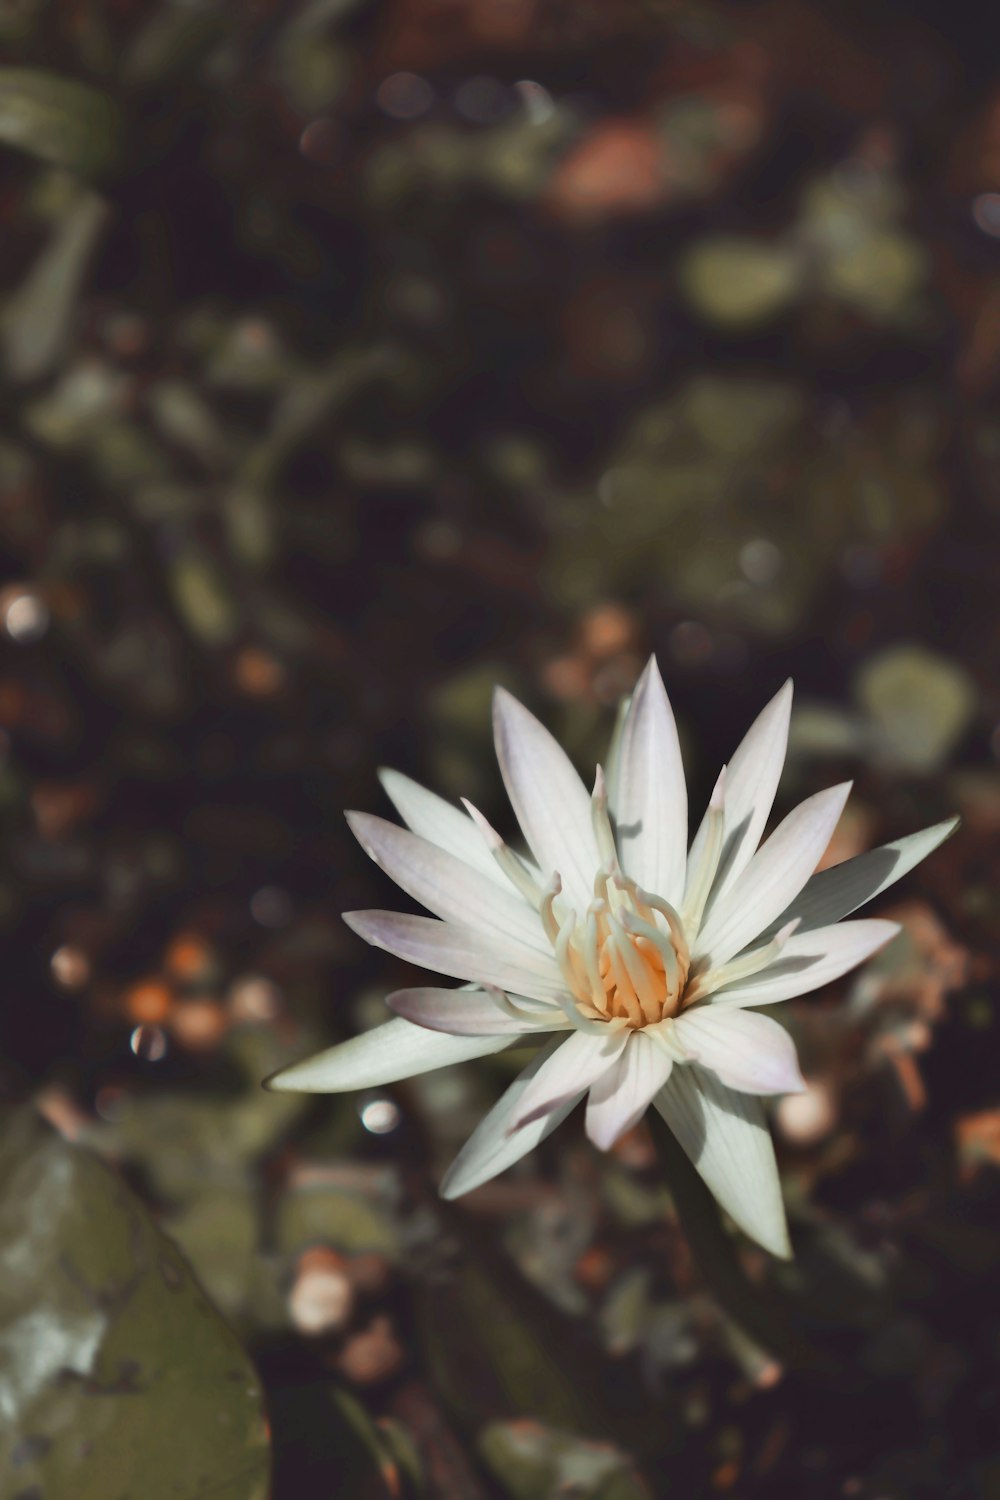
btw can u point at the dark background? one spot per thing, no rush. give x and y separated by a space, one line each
356 356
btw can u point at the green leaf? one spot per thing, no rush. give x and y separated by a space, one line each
38 318
737 283
202 598
59 120
117 1376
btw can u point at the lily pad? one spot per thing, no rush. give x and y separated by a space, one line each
117 1376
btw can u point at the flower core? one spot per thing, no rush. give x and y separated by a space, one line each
621 963
627 962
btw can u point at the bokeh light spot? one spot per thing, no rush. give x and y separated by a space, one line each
148 1043
538 102
380 1116
405 96
986 214
760 560
70 967
25 615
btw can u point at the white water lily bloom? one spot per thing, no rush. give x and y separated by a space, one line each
640 960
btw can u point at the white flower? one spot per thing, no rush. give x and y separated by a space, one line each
641 958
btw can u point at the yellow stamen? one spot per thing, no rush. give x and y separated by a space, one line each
505 858
549 919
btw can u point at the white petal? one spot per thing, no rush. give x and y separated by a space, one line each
550 801
751 781
651 796
494 1145
447 886
389 1052
612 761
747 1051
459 952
472 1013
777 872
573 1067
836 892
726 1136
441 823
809 960
621 1095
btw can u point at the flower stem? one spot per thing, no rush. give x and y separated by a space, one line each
757 1310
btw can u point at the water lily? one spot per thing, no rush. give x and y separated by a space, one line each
640 960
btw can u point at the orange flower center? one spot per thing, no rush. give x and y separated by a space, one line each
628 960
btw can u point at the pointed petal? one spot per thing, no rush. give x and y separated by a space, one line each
459 952
652 793
620 1096
447 886
389 1052
747 1051
550 801
836 892
807 961
571 1069
438 821
472 1013
776 874
751 781
494 1145
726 1136
613 759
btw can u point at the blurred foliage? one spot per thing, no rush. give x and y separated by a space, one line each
746 451
533 1462
848 246
914 707
356 355
58 119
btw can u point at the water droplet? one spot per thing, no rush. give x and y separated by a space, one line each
380 1115
148 1043
25 615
